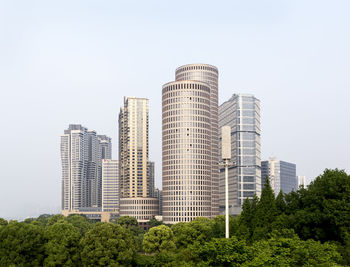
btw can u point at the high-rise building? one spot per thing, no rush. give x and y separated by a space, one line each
282 175
188 153
110 185
136 197
74 158
301 181
242 113
158 194
81 156
105 146
209 75
150 179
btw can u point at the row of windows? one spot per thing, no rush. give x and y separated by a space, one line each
181 171
187 112
179 180
196 67
189 206
184 85
184 219
186 124
184 106
193 119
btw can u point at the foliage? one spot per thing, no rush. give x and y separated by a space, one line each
62 246
3 222
199 230
309 227
21 244
127 221
154 222
158 239
55 218
223 252
322 212
80 222
107 244
291 251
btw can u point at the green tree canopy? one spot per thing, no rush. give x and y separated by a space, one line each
322 211
199 230
127 221
158 239
291 251
222 252
3 222
55 218
21 244
80 222
62 246
107 244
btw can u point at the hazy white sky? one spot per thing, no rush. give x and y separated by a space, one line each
65 62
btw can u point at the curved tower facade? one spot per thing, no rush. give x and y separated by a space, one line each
187 151
208 74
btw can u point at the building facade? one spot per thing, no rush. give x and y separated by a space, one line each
242 113
158 194
110 185
186 151
301 181
74 159
136 184
81 156
282 175
209 75
150 179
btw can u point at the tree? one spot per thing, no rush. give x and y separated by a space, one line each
21 244
154 222
223 252
107 244
127 221
158 239
322 211
55 218
199 230
62 246
3 222
218 225
286 249
80 222
247 222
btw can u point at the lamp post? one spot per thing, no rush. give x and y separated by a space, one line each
226 156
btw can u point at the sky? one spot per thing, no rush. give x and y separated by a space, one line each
64 62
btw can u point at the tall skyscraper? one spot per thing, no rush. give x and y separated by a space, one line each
81 156
189 149
135 192
110 185
242 113
74 158
207 74
282 175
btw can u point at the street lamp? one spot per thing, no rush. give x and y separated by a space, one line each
226 156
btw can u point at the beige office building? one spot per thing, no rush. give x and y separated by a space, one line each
187 151
208 74
135 192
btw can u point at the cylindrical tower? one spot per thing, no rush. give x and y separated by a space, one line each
208 74
186 151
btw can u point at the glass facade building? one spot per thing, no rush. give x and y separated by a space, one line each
282 175
242 113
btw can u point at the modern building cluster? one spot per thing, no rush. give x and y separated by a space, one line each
192 177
